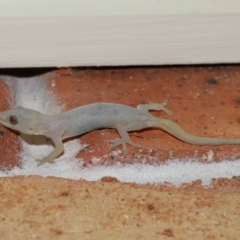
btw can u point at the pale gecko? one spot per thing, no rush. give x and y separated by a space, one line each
86 118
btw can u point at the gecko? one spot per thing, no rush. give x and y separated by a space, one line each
86 118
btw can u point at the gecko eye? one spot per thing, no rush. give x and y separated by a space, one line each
13 119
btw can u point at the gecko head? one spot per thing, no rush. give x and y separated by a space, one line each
20 119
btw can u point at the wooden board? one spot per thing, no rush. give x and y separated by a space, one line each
111 33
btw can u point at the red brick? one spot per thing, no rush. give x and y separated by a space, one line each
9 142
204 101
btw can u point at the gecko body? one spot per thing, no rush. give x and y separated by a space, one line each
86 118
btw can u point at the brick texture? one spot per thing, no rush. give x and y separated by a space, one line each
9 142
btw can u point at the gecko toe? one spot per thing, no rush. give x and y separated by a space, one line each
134 144
115 143
43 161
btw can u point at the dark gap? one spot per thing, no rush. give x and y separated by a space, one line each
30 72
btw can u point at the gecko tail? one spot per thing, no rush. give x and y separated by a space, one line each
175 130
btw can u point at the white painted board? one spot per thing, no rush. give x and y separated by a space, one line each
61 33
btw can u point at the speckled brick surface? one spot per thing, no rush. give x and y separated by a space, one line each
52 208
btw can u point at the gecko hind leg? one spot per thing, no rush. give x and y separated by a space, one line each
124 140
154 106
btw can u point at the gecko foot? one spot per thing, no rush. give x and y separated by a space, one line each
44 160
154 106
120 141
160 106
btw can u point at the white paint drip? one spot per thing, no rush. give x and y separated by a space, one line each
33 93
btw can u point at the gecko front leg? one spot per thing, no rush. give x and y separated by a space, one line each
123 140
59 148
